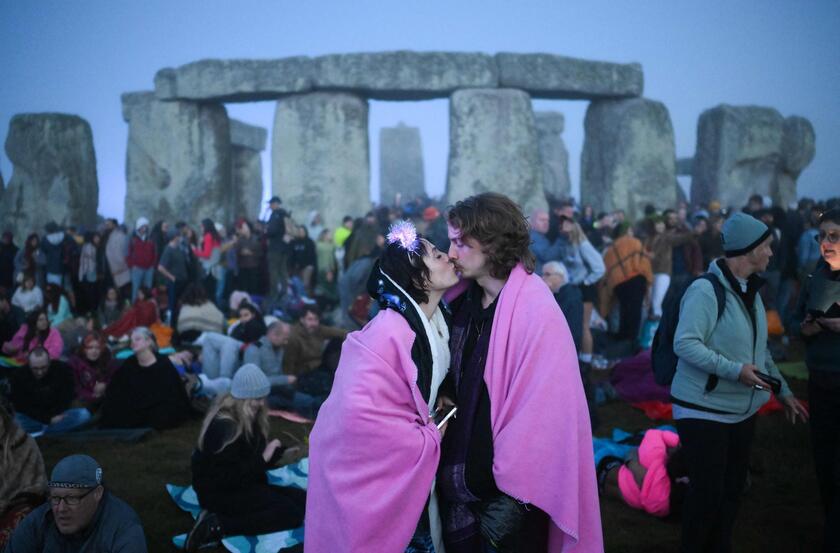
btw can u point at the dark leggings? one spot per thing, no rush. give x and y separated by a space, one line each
631 295
261 510
718 457
824 395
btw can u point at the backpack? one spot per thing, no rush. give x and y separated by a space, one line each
663 359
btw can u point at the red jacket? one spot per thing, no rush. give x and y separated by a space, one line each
141 253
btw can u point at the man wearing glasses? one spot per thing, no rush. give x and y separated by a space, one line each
81 515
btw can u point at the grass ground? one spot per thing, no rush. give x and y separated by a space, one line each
780 511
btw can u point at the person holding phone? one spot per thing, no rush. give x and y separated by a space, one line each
820 328
375 446
724 375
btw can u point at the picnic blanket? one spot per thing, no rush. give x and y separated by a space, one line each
661 410
633 380
9 362
295 475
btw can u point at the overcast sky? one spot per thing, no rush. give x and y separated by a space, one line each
79 56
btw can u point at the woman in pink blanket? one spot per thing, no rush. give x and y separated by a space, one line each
375 447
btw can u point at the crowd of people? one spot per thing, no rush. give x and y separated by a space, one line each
476 306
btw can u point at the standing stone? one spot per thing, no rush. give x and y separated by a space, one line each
246 144
554 155
798 150
54 173
400 163
494 147
628 157
745 150
177 160
319 156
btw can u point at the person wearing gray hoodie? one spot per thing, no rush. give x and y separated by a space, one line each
723 376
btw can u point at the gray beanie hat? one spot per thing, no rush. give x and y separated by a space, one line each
76 471
249 382
742 234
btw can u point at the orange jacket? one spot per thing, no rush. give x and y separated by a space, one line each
625 259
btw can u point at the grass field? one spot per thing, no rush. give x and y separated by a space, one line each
780 511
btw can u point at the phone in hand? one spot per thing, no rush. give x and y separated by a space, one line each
773 383
444 414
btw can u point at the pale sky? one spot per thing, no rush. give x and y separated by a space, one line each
78 57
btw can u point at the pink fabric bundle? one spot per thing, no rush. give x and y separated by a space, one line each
373 452
542 439
655 495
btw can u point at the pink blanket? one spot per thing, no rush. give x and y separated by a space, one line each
541 433
373 453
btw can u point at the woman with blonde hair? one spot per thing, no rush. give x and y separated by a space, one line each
585 267
229 468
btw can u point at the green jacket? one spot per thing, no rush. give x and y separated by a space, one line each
708 347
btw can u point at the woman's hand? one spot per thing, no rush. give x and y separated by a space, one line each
271 448
809 327
794 409
99 389
830 323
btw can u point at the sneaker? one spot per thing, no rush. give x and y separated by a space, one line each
205 531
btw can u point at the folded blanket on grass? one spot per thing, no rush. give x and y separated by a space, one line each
295 475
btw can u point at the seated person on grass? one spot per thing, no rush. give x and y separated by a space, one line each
312 352
11 317
81 515
229 468
93 367
23 486
36 332
220 353
268 353
42 392
146 391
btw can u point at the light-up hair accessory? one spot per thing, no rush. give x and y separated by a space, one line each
402 232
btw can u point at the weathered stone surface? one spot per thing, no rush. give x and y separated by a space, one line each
685 165
319 155
177 160
628 156
561 77
247 136
494 147
54 173
404 75
745 150
400 163
237 80
798 145
246 183
554 155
